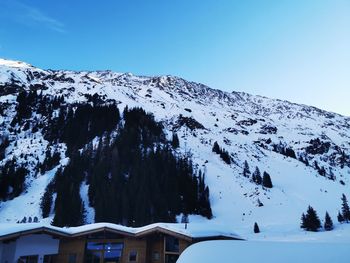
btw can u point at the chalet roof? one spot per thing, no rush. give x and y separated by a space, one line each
193 231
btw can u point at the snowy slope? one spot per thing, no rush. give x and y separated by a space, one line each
246 126
272 252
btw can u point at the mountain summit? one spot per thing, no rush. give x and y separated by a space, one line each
264 160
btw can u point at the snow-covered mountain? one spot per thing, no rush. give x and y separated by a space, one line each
305 150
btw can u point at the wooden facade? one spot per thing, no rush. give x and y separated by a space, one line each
151 248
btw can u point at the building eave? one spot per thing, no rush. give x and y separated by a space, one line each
104 228
39 230
162 230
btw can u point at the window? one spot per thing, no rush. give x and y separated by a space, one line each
172 249
171 258
156 256
171 244
132 256
95 246
93 256
28 259
107 252
49 258
72 258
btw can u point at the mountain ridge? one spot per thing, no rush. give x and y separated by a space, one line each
159 78
249 127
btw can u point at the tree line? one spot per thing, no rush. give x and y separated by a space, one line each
135 177
256 177
311 222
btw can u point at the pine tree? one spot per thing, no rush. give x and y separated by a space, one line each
303 221
253 177
216 148
343 159
316 165
315 222
23 107
256 177
256 228
328 223
331 175
69 209
204 203
266 181
260 204
246 170
301 159
345 209
184 219
11 177
46 203
310 221
225 156
290 153
175 141
306 161
340 217
322 171
4 143
147 184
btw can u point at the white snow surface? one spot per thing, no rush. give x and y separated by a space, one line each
12 63
89 211
271 252
224 116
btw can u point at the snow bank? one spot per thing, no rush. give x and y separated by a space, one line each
272 252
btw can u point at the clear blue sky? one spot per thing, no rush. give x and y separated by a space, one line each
297 50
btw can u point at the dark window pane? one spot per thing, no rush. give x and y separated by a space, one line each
49 258
96 257
72 258
33 259
132 256
93 256
156 256
171 258
28 259
94 246
171 244
110 252
112 256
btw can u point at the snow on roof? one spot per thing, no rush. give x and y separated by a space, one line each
193 231
7 230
